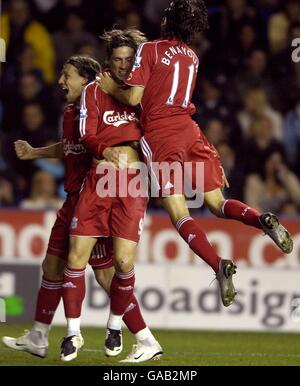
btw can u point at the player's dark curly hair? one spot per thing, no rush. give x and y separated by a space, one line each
184 18
86 66
116 38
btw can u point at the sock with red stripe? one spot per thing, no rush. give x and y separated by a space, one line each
190 231
133 317
239 211
73 291
135 322
73 295
121 292
48 300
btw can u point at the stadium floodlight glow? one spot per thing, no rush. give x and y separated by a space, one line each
2 311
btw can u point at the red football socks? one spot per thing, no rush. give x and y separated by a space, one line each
48 300
133 317
190 231
73 291
121 291
239 211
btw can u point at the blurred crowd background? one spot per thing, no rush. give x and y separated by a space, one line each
247 95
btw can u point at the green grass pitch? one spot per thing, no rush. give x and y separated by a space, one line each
182 348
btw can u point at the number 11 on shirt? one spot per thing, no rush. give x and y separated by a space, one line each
170 100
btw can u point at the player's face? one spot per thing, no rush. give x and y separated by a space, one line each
121 63
71 83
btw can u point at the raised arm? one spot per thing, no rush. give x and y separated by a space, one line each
131 96
146 58
26 152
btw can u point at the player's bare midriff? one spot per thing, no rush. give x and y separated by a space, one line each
128 156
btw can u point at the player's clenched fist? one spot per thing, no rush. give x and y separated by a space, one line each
23 150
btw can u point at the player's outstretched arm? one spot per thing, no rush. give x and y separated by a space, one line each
131 96
26 152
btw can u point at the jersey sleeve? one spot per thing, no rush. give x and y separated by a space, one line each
89 121
145 59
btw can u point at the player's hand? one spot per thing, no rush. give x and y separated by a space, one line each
106 83
115 156
23 150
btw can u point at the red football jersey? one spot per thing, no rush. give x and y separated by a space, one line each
167 70
76 158
105 122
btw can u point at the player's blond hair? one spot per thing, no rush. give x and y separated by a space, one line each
116 38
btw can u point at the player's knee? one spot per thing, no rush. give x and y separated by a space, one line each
215 207
124 264
177 213
76 259
176 207
76 262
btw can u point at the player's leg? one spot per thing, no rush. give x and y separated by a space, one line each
74 293
54 264
237 210
146 347
121 291
231 209
127 214
175 202
189 230
50 293
104 277
192 233
126 226
177 208
83 237
35 341
203 152
84 232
